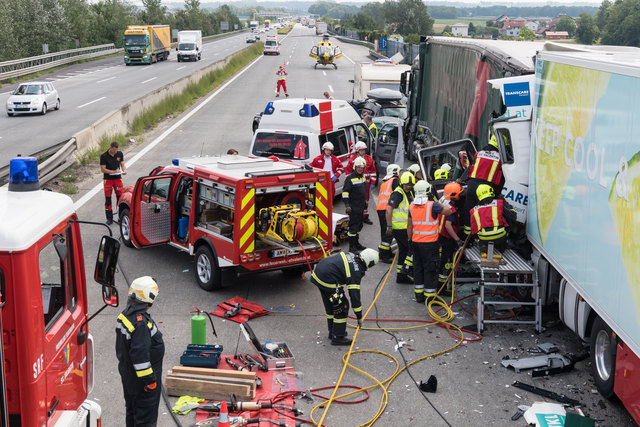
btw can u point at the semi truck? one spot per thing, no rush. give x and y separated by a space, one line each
568 140
146 44
321 28
253 25
189 45
46 351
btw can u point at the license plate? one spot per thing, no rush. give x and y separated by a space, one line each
277 253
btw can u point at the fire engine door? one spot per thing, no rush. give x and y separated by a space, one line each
151 210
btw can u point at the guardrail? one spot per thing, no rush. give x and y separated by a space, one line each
24 66
58 158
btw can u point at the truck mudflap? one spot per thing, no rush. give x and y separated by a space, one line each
88 414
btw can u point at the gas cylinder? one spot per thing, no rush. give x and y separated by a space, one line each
198 329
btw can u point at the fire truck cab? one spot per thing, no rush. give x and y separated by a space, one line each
233 213
46 351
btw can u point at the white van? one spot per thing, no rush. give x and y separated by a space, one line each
271 46
296 128
189 45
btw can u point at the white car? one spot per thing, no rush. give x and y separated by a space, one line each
33 97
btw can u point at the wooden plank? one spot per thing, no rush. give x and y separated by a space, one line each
207 389
213 372
230 380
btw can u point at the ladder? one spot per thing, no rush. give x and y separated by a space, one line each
511 270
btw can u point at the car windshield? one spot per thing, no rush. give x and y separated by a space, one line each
400 112
135 40
270 43
29 90
285 145
187 46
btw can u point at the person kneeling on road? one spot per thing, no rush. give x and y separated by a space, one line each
330 275
422 229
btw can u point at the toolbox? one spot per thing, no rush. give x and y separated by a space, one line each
201 356
279 356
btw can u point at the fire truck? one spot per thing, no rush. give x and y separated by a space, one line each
233 213
46 351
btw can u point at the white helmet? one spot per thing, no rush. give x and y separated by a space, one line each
359 163
421 188
370 257
446 166
414 168
327 146
393 170
144 288
360 146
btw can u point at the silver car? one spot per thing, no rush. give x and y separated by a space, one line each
33 97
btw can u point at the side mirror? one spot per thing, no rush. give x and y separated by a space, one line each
107 261
110 296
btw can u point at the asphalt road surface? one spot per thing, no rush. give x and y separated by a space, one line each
473 388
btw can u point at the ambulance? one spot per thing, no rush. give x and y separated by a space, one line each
232 213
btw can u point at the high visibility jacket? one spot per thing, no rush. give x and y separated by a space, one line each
354 192
369 170
282 74
456 224
386 189
487 166
488 222
400 215
373 129
339 270
425 228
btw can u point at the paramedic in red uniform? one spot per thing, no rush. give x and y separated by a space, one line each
282 81
329 162
370 173
112 166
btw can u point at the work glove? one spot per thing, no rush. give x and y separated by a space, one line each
360 323
149 388
348 210
334 178
389 232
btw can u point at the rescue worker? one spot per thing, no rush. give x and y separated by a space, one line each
486 169
140 350
422 229
282 81
354 195
449 230
368 121
490 219
329 162
389 184
370 173
113 167
416 171
397 220
330 275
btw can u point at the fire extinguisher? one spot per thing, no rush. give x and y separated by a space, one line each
199 327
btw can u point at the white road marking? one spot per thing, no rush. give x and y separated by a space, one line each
324 73
331 88
91 102
180 68
345 55
104 80
95 190
148 80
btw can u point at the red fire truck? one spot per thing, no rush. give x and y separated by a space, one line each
233 213
46 351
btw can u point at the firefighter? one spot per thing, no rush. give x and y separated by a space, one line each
416 171
354 195
113 167
422 229
370 173
486 169
389 184
330 275
397 218
449 230
282 81
329 162
140 349
490 219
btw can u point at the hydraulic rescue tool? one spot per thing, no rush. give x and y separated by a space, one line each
242 368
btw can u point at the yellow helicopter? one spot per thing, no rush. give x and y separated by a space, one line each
325 52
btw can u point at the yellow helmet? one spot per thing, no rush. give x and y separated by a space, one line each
407 178
441 174
493 141
483 191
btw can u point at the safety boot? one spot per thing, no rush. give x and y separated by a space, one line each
404 278
340 340
354 245
386 257
419 296
430 295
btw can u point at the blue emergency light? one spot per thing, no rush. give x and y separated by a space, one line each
23 174
269 108
309 110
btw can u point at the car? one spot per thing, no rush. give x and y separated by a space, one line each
33 97
251 38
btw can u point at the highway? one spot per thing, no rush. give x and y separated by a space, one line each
473 389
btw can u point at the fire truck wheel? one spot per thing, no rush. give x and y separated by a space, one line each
125 230
603 357
207 271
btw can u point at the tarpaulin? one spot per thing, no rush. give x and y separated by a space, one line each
249 310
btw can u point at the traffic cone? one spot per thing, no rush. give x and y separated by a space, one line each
223 419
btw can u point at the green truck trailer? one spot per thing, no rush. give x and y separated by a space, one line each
146 44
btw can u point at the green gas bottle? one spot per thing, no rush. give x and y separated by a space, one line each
198 329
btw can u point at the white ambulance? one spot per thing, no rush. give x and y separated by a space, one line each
271 46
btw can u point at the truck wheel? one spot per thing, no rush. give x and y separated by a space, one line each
603 357
125 227
207 270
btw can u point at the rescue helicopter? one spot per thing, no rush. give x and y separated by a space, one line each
325 52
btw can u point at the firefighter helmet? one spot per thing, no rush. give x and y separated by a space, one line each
370 257
359 163
407 178
493 141
327 146
452 191
441 174
360 145
393 170
144 289
446 166
421 188
414 168
483 191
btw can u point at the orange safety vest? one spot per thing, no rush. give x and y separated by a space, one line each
488 222
385 192
487 166
425 228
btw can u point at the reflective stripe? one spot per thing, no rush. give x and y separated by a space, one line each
154 331
345 194
492 171
353 286
326 285
400 215
141 366
494 216
492 234
347 270
385 193
329 316
144 373
357 309
123 329
343 320
125 322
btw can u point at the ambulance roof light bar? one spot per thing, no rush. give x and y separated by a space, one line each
23 174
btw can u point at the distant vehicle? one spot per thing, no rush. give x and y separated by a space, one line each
189 45
271 46
321 28
146 44
267 23
251 38
379 74
257 34
33 97
253 25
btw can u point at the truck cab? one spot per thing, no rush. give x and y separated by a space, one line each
146 44
189 46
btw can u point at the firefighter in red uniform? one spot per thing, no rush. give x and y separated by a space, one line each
389 183
140 350
486 169
490 219
449 239
370 173
282 81
112 166
329 162
422 230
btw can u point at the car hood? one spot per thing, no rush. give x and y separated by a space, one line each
25 98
